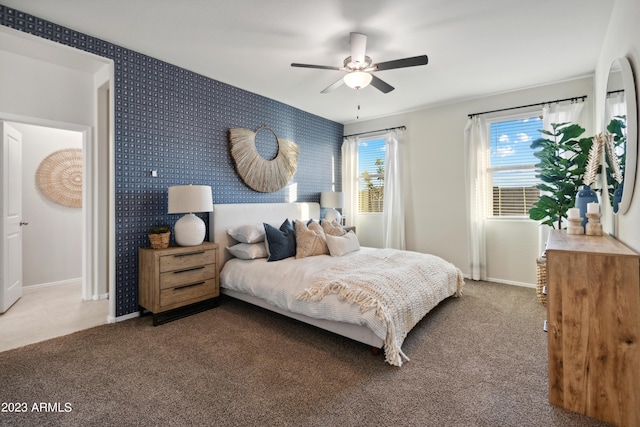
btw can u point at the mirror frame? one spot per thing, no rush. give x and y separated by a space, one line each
631 148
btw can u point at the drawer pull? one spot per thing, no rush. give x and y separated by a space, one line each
188 254
545 327
179 288
544 290
187 270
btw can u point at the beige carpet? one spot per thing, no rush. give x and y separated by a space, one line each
479 360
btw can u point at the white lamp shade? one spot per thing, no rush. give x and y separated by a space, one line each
190 198
332 199
357 79
190 230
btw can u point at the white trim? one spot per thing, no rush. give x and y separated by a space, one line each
511 282
51 284
504 282
112 319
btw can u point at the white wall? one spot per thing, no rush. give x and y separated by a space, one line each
434 188
34 88
52 242
622 40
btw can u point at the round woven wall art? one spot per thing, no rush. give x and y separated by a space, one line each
59 177
257 172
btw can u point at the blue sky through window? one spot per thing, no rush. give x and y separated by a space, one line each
368 152
510 145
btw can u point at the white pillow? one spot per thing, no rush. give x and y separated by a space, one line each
342 245
248 250
247 233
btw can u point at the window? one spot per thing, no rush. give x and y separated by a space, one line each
371 157
512 166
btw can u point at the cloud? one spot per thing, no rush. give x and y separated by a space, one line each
505 151
504 138
523 137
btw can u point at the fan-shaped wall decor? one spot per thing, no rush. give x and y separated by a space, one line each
59 177
257 172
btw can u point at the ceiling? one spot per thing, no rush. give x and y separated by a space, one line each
475 48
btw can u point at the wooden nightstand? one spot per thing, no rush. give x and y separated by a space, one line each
178 277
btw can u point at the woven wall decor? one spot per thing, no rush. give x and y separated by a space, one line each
59 177
257 172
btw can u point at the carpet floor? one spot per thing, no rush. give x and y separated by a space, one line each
478 360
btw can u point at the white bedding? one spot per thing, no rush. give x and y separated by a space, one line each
298 286
263 279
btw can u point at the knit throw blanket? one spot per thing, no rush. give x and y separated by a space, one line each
401 286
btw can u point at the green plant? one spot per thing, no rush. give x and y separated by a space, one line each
159 230
615 166
563 159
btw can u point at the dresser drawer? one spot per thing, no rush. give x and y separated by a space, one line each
186 260
190 292
187 276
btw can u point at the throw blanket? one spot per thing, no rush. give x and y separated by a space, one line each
401 287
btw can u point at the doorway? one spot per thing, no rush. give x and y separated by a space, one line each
57 86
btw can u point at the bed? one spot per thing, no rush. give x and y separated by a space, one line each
307 288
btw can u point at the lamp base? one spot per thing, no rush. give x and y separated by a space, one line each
332 214
189 230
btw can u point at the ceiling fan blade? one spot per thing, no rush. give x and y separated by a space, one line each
334 86
358 47
381 85
401 63
321 67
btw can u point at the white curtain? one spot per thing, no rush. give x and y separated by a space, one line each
614 106
477 188
393 205
556 113
350 178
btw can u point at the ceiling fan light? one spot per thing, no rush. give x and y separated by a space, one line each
357 79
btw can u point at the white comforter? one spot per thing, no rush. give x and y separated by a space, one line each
280 284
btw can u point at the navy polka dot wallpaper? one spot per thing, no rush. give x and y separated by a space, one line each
177 122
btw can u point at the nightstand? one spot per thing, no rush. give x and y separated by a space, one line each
348 229
178 281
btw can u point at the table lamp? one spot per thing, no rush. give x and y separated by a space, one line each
190 230
332 200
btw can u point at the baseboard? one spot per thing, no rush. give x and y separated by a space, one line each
50 284
111 319
511 282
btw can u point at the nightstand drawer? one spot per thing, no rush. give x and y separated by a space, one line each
185 260
194 291
187 275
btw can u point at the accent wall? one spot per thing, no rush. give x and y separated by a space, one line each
176 122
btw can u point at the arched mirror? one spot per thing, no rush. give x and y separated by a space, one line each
621 131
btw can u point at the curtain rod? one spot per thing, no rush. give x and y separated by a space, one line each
375 131
575 98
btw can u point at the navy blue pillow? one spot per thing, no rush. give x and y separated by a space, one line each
282 242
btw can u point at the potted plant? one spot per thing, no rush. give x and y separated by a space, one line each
563 160
159 237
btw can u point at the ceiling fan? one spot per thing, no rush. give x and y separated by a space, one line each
359 67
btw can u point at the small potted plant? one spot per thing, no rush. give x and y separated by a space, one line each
159 237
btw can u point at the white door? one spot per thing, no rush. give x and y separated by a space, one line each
11 223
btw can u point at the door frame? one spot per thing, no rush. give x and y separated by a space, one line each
98 153
93 261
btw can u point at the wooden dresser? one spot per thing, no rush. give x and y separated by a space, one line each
177 277
593 309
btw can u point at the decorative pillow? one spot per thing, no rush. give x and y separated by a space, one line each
332 228
281 243
248 250
247 233
310 239
342 245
